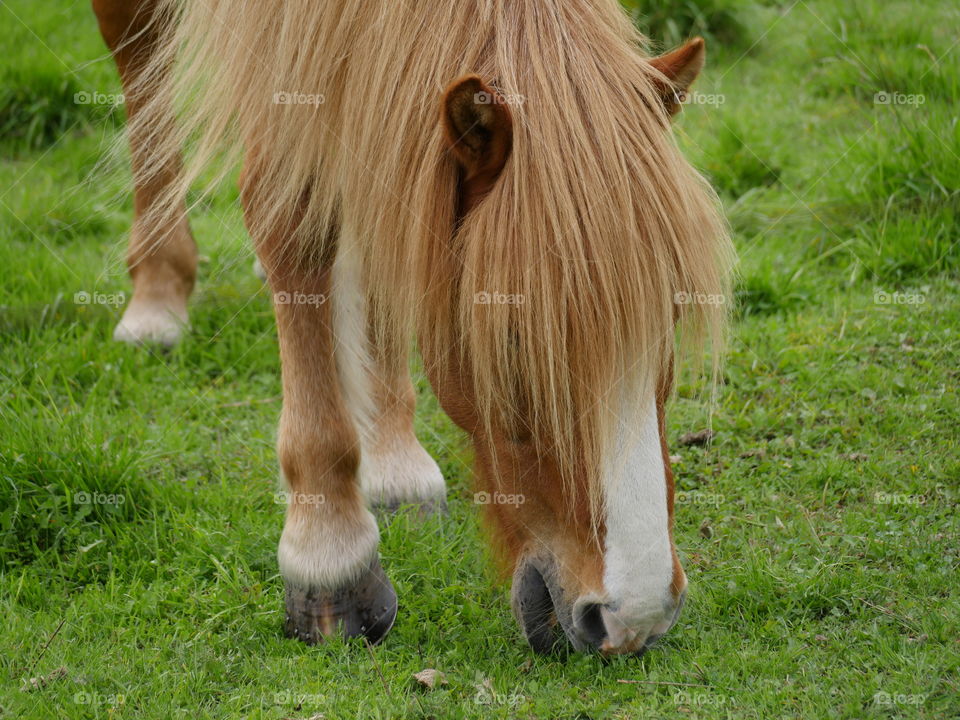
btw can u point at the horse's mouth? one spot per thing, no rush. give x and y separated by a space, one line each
552 624
539 607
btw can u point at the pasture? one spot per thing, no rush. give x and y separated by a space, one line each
139 512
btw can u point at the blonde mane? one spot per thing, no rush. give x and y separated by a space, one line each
595 225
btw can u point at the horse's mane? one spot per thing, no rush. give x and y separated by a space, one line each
597 221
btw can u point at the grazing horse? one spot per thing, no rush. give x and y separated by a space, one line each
495 178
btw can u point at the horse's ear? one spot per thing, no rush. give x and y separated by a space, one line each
680 67
478 129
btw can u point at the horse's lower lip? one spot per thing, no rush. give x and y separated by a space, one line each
534 606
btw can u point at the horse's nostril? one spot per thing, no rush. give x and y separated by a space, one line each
588 621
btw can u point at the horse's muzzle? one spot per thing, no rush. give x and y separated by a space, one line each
551 622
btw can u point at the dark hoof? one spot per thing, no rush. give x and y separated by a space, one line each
367 608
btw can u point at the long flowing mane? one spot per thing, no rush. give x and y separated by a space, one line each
595 225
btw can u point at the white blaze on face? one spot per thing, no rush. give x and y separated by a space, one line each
638 556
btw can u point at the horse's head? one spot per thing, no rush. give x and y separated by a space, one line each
550 333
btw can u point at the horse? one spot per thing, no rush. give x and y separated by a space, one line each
495 181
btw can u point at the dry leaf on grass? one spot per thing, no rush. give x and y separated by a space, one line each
430 678
701 437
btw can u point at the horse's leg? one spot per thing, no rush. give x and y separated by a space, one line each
328 550
395 469
162 256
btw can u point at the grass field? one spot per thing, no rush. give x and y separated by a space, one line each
819 530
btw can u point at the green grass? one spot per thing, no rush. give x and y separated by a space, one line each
819 530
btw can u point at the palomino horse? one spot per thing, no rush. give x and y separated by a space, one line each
497 178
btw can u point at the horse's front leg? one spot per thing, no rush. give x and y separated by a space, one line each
328 550
395 469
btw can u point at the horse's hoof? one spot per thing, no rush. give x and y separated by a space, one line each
403 476
367 608
151 323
